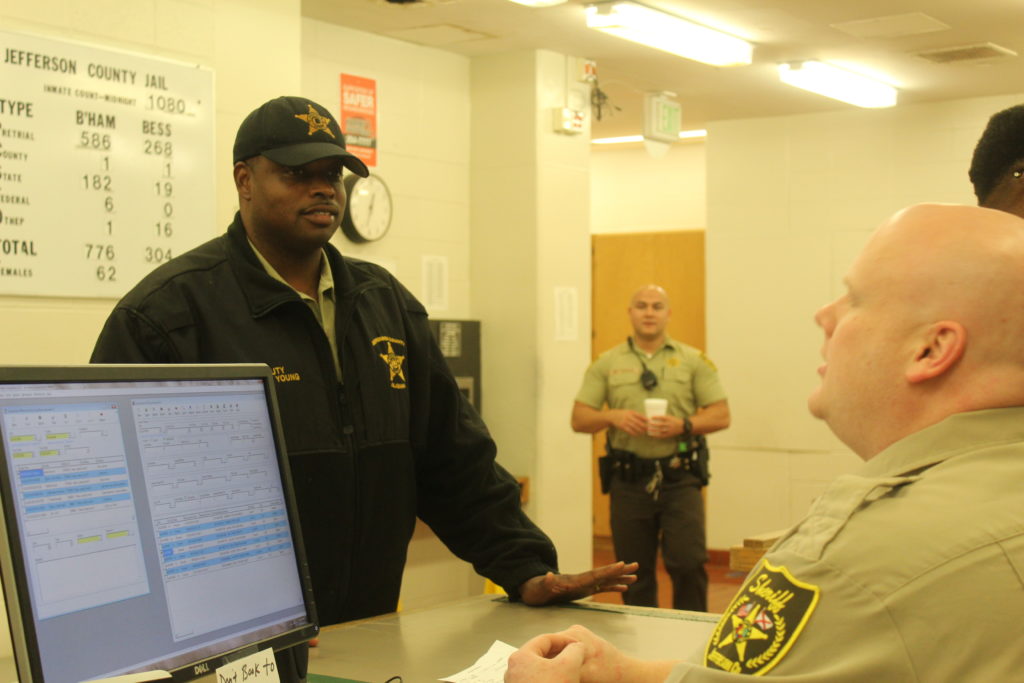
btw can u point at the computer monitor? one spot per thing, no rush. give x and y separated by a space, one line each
148 520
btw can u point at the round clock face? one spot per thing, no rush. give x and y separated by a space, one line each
368 211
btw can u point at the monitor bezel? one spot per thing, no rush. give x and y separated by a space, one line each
17 596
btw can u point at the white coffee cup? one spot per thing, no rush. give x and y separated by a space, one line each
654 407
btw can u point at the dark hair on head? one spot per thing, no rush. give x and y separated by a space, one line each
998 148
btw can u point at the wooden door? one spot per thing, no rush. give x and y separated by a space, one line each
622 264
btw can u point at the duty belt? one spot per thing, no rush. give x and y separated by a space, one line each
630 467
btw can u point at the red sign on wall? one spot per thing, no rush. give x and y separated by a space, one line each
359 116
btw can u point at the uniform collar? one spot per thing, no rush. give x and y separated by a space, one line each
264 293
957 434
325 284
669 343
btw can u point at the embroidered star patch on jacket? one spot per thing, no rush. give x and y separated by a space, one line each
762 622
389 349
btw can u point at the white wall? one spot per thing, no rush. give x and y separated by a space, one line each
791 200
423 148
562 484
530 238
631 191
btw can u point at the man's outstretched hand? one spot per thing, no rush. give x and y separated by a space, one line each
551 587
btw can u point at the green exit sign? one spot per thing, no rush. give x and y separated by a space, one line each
662 118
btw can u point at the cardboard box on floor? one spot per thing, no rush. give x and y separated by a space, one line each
743 558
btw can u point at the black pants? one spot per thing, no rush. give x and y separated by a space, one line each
676 520
292 662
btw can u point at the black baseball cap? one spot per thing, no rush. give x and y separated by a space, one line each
293 131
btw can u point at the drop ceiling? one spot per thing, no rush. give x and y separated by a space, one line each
931 49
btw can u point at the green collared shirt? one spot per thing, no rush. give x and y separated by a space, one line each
323 306
686 378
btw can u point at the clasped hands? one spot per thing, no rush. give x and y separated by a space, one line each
636 424
578 655
575 654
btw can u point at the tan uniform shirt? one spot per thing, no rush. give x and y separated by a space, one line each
685 377
912 570
322 307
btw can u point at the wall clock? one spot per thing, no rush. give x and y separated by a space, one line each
367 214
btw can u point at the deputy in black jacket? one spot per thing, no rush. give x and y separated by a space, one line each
376 429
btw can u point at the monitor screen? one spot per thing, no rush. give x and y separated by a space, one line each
148 520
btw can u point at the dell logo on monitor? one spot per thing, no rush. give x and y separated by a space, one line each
200 669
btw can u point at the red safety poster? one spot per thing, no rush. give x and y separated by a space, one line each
359 116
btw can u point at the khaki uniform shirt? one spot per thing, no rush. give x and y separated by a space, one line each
685 377
322 307
912 570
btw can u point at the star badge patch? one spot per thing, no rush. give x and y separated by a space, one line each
708 361
392 359
317 121
762 622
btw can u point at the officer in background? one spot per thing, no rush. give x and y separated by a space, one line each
655 467
997 166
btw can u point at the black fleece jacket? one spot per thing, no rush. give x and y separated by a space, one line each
395 441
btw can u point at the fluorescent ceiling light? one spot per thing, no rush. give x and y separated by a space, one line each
618 140
539 3
683 135
669 33
840 84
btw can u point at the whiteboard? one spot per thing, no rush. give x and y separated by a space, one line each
106 166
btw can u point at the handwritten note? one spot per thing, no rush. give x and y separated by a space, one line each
256 668
490 668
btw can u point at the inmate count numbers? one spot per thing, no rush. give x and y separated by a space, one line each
106 166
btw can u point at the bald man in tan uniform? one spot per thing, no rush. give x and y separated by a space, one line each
655 490
913 568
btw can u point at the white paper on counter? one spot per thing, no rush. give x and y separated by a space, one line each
490 668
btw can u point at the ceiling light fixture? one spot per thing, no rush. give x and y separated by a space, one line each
669 33
618 140
539 3
683 135
838 83
693 134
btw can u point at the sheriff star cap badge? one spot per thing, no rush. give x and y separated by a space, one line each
293 131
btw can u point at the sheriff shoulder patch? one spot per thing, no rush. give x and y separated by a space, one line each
707 360
762 622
